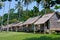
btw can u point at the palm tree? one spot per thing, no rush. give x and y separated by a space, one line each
26 3
8 15
44 3
38 2
2 6
20 8
3 11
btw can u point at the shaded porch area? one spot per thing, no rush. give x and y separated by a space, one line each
43 28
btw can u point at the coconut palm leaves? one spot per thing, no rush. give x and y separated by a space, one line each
26 3
19 8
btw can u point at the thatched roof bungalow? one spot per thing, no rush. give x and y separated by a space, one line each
30 23
13 26
48 22
18 26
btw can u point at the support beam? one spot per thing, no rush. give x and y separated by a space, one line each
34 29
26 27
7 28
11 29
44 28
39 28
16 29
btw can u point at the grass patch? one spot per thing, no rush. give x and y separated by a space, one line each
27 36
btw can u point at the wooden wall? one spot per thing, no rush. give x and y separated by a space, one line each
53 22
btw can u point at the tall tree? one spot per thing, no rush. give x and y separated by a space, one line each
48 3
26 3
2 6
8 14
38 2
20 8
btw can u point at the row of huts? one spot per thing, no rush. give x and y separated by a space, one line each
46 23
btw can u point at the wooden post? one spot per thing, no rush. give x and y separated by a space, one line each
16 29
34 29
39 28
44 28
26 27
11 28
22 28
7 28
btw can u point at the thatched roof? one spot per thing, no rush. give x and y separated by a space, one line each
4 27
44 18
31 20
18 24
9 25
14 24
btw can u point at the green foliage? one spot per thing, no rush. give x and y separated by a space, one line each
35 9
13 21
38 1
0 20
1 5
12 10
47 11
26 2
3 0
57 7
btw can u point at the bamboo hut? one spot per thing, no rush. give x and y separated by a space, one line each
4 28
48 22
18 26
14 27
29 24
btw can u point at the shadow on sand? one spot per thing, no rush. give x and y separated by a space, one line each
43 38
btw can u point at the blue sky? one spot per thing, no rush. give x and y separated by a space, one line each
13 6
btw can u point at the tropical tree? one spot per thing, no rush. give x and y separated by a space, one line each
9 13
48 3
12 10
0 20
20 9
35 10
57 7
26 3
38 2
3 7
0 5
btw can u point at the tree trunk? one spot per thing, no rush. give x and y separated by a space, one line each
8 17
19 10
2 16
27 10
45 10
38 8
44 7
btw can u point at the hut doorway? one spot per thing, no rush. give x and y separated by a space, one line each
42 28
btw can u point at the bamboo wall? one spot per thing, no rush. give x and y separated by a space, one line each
53 22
